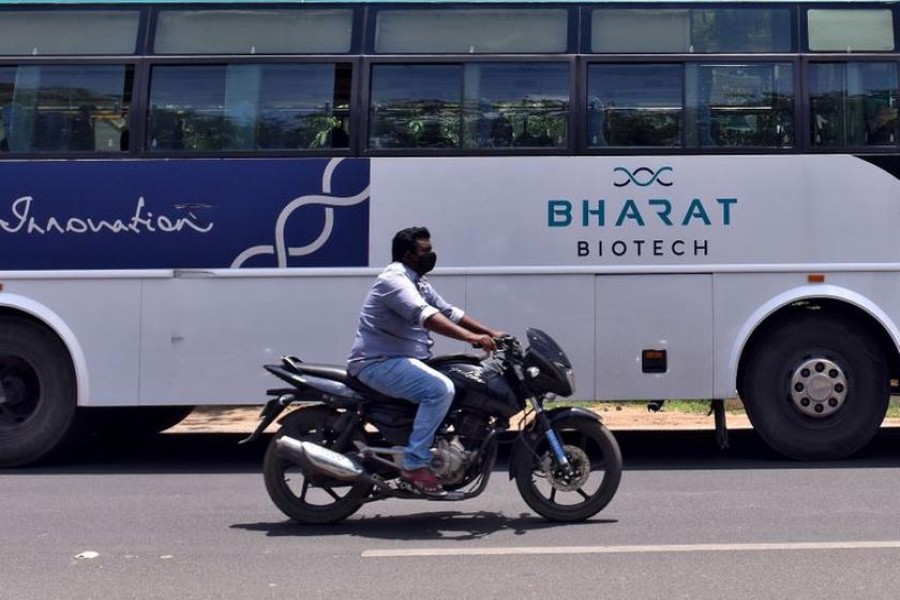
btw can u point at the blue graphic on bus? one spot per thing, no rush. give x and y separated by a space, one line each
144 214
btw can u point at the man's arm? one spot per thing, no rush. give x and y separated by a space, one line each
471 324
468 330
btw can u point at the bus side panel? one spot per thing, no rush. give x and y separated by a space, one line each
206 338
102 314
654 312
561 305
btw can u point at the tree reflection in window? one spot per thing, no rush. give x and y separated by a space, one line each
480 106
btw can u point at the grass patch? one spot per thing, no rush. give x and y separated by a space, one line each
693 407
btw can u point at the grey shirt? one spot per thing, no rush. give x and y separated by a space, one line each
392 317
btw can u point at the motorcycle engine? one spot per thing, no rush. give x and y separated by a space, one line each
450 460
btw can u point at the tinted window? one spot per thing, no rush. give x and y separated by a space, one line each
635 105
467 31
415 106
738 106
851 30
65 108
253 31
249 107
691 30
853 104
476 105
43 33
521 105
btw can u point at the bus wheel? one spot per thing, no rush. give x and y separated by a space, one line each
37 391
816 388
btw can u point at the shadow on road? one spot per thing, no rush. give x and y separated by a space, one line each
641 450
445 525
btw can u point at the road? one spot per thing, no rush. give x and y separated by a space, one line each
186 516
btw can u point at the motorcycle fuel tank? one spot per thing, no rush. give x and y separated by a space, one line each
481 388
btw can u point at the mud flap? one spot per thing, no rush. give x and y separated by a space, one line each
268 414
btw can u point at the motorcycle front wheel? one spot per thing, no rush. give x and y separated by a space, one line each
310 498
577 494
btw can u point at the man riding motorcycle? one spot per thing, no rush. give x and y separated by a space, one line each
393 338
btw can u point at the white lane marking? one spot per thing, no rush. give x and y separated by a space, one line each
530 550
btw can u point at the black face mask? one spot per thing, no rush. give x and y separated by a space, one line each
425 263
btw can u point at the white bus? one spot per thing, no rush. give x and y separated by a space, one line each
697 199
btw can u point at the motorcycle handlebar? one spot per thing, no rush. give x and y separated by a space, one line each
503 343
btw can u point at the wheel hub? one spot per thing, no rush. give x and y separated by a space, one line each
568 480
19 391
818 388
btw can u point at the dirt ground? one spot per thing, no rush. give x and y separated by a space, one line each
618 416
240 419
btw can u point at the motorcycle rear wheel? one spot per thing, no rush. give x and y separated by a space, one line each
596 464
307 498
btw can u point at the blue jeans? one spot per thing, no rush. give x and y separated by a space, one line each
413 380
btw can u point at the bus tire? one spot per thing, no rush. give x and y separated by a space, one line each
816 388
38 395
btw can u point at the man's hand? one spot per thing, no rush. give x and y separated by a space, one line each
483 341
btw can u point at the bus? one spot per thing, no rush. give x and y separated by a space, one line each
697 199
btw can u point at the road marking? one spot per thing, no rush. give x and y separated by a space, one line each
531 550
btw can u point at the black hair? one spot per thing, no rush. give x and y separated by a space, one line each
405 241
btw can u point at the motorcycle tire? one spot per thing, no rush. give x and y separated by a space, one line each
312 499
596 462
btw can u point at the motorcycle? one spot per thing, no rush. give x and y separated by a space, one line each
341 446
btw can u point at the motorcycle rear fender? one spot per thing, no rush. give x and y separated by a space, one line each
332 388
529 439
329 387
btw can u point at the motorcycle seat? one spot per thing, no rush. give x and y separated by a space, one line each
369 393
332 372
339 374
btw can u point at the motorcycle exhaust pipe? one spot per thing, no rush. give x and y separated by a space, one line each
322 460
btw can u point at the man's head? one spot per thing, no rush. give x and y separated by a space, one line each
412 246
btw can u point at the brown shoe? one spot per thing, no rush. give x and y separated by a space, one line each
423 480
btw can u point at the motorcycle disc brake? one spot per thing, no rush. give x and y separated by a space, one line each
568 481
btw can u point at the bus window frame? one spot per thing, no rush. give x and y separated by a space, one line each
804 26
362 59
573 15
686 59
798 41
462 59
141 38
228 59
807 60
76 61
356 35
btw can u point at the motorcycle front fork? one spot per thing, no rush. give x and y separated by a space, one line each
545 427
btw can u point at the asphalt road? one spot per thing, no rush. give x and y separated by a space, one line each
187 516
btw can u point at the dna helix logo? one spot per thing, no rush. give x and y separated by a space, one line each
280 249
643 176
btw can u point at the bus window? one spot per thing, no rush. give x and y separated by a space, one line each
249 107
635 105
740 106
514 104
868 30
65 108
471 31
853 104
474 106
284 31
689 30
68 32
415 106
